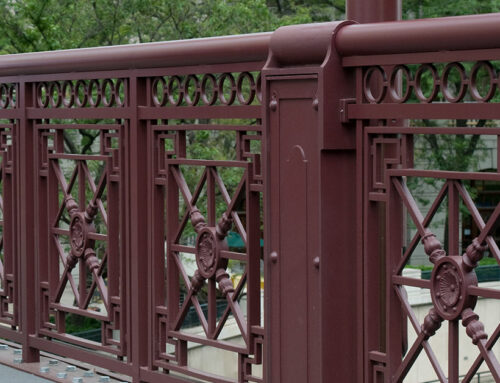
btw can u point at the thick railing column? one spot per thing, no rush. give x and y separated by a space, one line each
373 11
138 224
313 283
26 223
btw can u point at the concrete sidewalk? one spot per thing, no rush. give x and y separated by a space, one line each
11 375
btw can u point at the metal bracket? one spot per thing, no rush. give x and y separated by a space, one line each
343 105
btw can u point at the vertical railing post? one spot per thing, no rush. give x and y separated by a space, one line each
26 223
313 280
373 11
138 226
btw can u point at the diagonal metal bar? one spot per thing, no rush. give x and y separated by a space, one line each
101 285
409 359
65 189
60 177
182 184
232 202
194 199
429 216
476 216
227 311
491 225
480 359
190 298
490 359
199 311
411 205
94 284
97 191
416 326
62 284
62 257
238 315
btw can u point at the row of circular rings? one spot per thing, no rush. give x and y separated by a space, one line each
401 74
190 89
7 96
81 93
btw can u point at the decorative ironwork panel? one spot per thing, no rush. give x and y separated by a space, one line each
81 266
207 89
8 95
397 180
427 83
207 254
9 310
92 93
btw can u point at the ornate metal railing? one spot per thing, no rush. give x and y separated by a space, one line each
411 99
143 185
98 192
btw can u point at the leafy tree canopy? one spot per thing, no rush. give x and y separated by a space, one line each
39 25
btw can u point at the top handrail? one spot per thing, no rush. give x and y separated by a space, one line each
424 35
205 51
399 37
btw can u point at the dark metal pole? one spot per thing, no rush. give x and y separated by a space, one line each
372 11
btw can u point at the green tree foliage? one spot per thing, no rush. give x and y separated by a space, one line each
40 25
418 9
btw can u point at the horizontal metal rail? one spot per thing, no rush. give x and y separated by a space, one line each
214 50
427 35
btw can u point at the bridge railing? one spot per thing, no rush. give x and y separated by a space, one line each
426 114
287 156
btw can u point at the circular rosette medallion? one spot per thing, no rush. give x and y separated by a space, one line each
78 231
449 284
208 248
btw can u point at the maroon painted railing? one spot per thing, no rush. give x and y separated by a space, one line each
410 76
130 226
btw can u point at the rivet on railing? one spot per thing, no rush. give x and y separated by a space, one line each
273 105
315 103
274 257
316 262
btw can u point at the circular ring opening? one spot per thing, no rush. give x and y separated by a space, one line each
159 91
426 83
68 92
209 89
81 93
120 92
42 95
259 88
94 93
55 94
108 92
227 89
245 88
375 84
400 84
482 81
175 93
454 82
4 96
191 90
